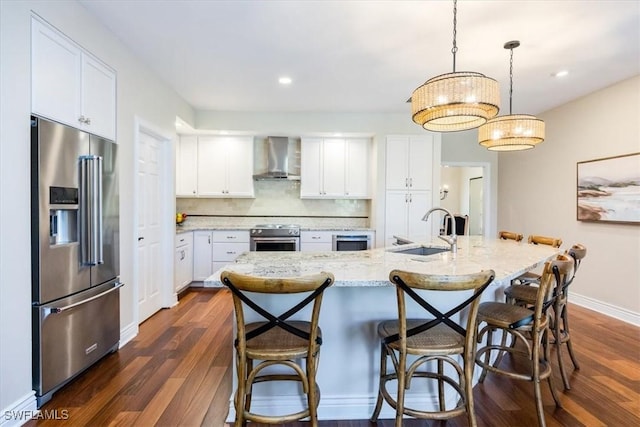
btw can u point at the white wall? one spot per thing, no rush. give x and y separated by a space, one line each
139 93
537 191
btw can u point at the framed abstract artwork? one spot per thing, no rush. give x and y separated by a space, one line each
609 189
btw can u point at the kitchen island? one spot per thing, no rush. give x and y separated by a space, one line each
361 297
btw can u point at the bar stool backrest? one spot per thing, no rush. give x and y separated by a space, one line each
407 282
314 285
508 235
544 240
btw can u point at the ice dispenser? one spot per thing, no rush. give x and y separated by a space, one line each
63 215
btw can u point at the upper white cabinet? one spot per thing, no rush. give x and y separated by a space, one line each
409 163
214 166
187 166
333 168
69 85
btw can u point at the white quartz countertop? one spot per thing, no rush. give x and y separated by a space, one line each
507 258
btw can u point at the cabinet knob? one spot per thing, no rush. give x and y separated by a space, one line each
87 121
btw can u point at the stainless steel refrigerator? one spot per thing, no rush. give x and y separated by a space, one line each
75 253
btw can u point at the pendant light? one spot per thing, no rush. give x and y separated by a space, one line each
455 101
515 131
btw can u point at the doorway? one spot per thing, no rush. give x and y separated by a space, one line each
464 190
153 257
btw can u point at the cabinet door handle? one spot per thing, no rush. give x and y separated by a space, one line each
81 119
410 198
231 237
410 182
182 255
209 239
87 121
142 238
406 182
315 237
230 253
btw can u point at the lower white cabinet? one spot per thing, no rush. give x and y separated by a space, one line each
215 249
227 246
183 274
315 241
202 250
403 215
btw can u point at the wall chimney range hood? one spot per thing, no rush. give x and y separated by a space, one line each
277 153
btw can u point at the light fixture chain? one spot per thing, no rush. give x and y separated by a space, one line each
454 49
511 82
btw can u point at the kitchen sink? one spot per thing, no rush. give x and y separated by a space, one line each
421 250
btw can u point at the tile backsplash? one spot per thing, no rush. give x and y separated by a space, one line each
275 198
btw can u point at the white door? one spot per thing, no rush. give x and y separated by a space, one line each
475 206
149 232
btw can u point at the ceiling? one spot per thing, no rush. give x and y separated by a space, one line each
368 56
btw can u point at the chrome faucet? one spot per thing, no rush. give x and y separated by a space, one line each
452 240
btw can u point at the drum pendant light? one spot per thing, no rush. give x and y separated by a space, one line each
515 131
455 101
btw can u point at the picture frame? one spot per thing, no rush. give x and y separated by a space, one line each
608 189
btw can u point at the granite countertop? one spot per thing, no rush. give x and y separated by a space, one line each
508 259
193 223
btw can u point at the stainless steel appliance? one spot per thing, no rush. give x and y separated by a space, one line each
351 242
75 253
275 237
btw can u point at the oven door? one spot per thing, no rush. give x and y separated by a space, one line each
351 242
274 244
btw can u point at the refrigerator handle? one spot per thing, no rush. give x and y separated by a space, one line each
55 310
91 210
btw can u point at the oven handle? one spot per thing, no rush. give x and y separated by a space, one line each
275 239
351 237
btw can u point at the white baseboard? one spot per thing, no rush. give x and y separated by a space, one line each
20 411
332 407
605 308
128 333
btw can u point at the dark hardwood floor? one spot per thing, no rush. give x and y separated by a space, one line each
177 372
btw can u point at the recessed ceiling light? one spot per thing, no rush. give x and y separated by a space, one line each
561 73
285 80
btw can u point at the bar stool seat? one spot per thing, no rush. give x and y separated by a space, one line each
277 343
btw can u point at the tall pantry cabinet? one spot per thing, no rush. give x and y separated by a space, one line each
411 170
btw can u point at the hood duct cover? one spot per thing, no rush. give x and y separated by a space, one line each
277 159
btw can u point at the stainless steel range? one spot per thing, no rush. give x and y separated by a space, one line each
275 237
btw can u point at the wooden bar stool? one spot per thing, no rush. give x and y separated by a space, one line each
277 341
525 295
437 338
529 328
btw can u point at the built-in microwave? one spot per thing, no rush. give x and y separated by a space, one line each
351 242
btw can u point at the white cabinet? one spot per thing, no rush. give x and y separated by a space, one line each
215 249
316 241
187 166
213 166
227 246
412 163
69 85
333 168
403 215
202 255
183 260
409 162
